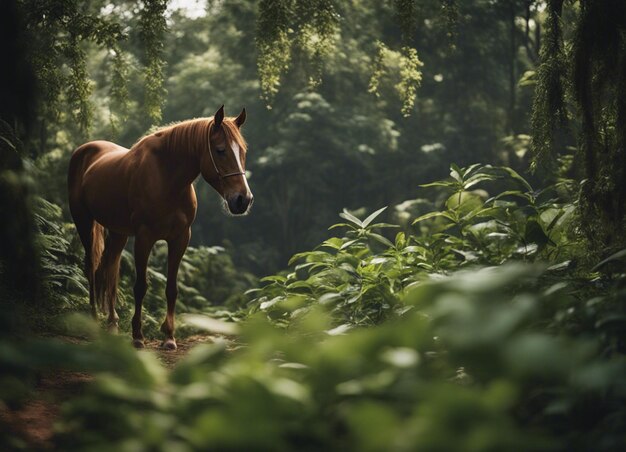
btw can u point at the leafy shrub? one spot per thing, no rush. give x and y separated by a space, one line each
363 274
61 257
469 367
481 333
468 345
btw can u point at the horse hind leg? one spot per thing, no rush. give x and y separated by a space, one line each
107 276
143 245
175 251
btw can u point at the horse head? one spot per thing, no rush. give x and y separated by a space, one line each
223 163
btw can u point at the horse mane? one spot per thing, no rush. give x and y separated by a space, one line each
192 135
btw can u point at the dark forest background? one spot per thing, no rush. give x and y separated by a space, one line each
325 144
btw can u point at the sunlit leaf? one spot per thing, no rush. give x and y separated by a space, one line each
432 215
372 216
379 238
211 325
348 216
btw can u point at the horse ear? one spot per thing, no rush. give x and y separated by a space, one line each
239 120
218 117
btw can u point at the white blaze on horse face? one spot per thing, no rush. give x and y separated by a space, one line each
235 147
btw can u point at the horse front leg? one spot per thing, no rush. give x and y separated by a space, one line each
175 250
143 246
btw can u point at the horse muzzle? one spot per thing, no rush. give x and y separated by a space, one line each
239 204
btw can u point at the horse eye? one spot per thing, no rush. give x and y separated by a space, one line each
220 151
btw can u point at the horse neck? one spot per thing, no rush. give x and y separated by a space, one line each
185 145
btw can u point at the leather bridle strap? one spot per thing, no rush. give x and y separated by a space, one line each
217 171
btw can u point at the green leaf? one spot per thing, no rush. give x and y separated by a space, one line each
371 217
380 239
469 256
211 325
264 306
273 278
470 169
477 178
306 254
384 225
348 244
400 239
439 184
612 257
333 242
489 212
348 216
560 266
515 175
516 193
464 202
432 215
456 173
8 142
413 249
555 220
342 225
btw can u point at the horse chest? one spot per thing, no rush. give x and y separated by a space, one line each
165 214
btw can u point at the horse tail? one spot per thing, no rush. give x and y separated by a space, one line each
97 250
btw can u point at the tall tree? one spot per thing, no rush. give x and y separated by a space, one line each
591 77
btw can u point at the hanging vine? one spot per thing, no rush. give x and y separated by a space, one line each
286 26
60 63
152 28
273 43
79 87
406 63
311 27
410 79
402 70
316 34
118 90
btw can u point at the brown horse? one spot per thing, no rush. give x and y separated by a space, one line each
147 192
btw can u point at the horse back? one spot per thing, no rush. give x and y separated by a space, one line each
83 157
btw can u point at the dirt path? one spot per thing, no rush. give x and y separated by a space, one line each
33 422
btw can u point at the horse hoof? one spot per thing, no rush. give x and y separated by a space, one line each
113 329
169 344
138 343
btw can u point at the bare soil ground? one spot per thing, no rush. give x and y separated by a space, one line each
34 421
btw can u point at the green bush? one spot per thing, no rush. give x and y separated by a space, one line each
363 274
482 331
480 334
471 366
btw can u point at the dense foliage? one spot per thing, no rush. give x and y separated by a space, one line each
580 86
470 366
485 334
365 285
354 73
